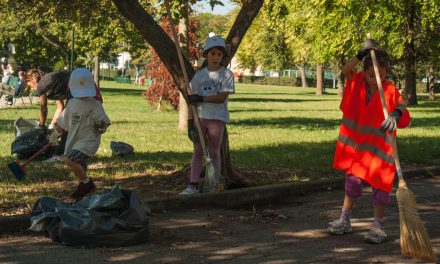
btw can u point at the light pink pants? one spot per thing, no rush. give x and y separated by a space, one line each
213 130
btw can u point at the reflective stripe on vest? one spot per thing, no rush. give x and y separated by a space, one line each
374 131
366 147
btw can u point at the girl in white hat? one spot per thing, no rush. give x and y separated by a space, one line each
210 88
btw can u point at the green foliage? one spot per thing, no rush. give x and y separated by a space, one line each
265 80
207 23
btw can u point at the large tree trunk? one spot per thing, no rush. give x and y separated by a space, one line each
410 55
165 49
319 80
302 70
431 83
184 45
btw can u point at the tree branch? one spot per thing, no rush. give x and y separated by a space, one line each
241 24
157 38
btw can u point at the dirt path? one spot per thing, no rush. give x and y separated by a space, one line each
293 232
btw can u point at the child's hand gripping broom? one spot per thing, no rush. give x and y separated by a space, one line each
212 179
414 240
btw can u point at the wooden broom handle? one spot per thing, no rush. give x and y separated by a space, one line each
385 112
185 76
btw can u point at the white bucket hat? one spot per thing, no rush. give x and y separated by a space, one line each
214 41
81 83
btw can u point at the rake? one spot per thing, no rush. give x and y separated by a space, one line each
18 169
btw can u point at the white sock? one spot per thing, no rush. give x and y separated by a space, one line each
86 180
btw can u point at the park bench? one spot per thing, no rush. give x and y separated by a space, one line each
122 79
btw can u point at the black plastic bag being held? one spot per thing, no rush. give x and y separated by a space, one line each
113 218
28 143
30 138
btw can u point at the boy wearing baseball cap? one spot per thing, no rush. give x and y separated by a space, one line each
85 120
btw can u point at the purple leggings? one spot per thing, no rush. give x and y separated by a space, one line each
214 132
354 187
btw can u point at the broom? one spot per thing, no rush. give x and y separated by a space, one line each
414 240
211 179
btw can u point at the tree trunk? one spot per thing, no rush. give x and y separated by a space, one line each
340 79
96 71
431 84
319 80
410 55
165 49
184 45
302 70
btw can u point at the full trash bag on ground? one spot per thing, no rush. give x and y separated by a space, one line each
121 149
113 218
29 139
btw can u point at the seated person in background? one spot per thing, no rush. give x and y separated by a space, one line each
16 90
21 83
5 88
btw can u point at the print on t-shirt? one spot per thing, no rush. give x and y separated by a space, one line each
210 87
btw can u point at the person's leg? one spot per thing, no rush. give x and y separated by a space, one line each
215 130
77 169
196 163
77 162
380 200
353 190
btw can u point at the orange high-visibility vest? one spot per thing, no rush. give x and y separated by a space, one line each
362 149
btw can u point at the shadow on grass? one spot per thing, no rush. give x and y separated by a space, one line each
285 122
257 110
426 122
122 91
6 125
281 100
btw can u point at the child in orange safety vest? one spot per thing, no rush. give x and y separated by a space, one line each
363 148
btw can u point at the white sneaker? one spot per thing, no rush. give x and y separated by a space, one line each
339 227
375 236
189 190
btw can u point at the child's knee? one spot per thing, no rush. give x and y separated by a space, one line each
381 197
353 186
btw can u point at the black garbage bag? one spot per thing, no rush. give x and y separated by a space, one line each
30 138
113 218
121 149
28 143
22 125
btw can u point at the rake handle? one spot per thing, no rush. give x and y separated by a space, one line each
185 77
36 154
385 113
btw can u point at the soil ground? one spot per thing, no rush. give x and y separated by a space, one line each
291 232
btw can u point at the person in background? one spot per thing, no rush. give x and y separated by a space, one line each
363 148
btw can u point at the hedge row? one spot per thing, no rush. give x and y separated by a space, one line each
281 81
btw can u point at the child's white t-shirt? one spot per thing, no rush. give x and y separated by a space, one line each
80 118
209 83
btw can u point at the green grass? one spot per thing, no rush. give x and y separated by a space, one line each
276 134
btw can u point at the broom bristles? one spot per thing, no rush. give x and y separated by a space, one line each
414 240
209 182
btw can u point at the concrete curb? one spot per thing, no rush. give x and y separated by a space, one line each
228 199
